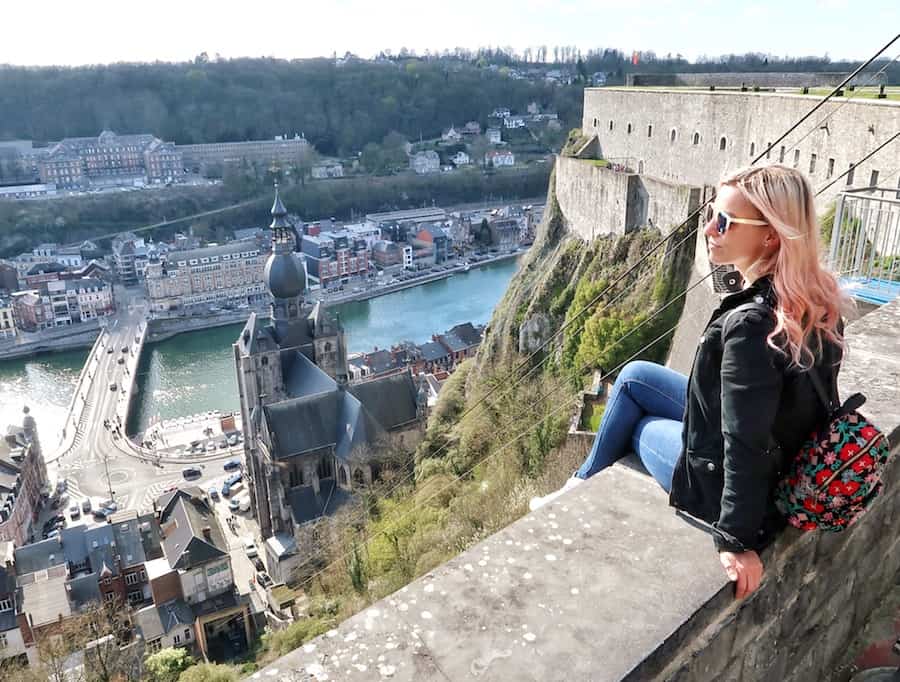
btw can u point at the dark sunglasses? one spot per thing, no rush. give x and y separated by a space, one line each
724 221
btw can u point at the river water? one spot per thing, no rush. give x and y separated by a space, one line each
194 372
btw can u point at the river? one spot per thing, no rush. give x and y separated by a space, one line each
194 372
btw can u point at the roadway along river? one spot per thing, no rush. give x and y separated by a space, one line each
194 372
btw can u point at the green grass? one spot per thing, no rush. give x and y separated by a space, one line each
600 163
893 93
591 416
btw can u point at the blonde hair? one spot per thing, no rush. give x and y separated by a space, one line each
810 301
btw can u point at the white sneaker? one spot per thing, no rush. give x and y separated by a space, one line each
538 502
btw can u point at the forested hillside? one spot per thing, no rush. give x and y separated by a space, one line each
339 108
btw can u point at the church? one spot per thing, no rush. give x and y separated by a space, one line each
311 438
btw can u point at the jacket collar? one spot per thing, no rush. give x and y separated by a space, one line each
761 288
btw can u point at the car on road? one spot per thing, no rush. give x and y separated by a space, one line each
110 350
211 446
257 564
102 513
232 464
121 361
250 548
213 493
232 439
263 579
223 444
226 490
113 387
86 506
234 504
191 472
124 349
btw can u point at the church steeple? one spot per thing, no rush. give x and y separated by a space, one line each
284 273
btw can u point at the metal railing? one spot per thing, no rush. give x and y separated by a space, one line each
865 243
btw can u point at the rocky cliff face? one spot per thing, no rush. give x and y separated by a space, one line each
561 274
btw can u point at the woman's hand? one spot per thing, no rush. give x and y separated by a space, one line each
744 569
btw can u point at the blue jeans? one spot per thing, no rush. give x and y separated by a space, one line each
643 412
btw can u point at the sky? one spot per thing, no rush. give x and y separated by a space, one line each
105 31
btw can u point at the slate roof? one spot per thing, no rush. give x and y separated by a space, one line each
38 556
184 543
380 361
84 589
391 400
432 351
128 541
303 424
101 549
303 377
452 342
156 621
307 506
467 333
46 268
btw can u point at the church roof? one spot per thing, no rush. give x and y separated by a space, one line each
303 377
303 424
306 505
391 400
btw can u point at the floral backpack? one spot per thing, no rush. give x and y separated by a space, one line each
837 473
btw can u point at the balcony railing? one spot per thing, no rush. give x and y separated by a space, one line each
865 244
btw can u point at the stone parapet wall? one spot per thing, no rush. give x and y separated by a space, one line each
765 79
855 128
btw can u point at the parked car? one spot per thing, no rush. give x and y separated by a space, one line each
232 464
234 504
113 387
124 349
244 505
211 446
250 548
257 564
74 512
191 472
52 534
111 505
232 439
86 506
234 478
102 513
110 350
121 361
263 579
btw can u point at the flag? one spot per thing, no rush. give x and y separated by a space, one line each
635 58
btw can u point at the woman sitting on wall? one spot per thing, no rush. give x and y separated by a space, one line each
712 440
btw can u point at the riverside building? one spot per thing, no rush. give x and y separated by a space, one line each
211 275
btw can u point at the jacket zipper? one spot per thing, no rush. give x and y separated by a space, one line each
824 487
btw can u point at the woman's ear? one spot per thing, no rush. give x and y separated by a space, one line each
772 238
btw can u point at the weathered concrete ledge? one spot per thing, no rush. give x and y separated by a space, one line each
608 584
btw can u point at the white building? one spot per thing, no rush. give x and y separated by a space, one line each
499 158
327 170
514 122
461 158
451 135
7 321
367 231
493 135
425 162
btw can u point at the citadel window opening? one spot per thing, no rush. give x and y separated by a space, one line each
628 129
752 148
873 179
812 164
722 144
850 175
796 158
696 139
610 126
650 130
830 170
781 155
672 136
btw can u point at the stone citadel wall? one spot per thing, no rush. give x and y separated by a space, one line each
694 137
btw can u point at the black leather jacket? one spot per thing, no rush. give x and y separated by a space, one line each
743 402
